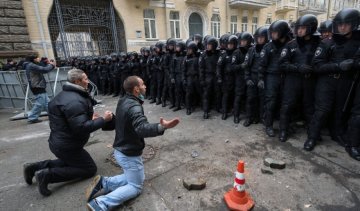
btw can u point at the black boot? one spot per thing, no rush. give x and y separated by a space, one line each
206 115
188 111
236 119
172 106
247 123
309 144
152 101
43 179
283 136
158 102
177 109
163 103
29 171
270 131
354 152
339 140
224 116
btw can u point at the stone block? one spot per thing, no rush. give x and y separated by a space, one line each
22 46
275 164
14 38
11 4
6 47
14 13
12 22
4 30
2 12
194 183
18 30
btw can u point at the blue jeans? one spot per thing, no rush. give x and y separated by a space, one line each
41 103
123 187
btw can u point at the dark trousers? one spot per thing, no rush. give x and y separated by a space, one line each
297 88
70 165
179 91
273 86
154 85
227 95
208 94
117 85
240 88
193 91
254 101
168 92
330 95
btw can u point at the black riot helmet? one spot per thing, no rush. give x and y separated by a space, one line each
193 46
181 45
171 42
281 27
205 40
233 40
146 51
346 16
310 22
213 42
325 26
262 32
123 56
197 38
248 38
223 40
159 45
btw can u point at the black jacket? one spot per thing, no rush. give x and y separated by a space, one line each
34 73
70 116
132 126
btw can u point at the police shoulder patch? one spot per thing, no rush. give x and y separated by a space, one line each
262 53
233 59
283 52
318 51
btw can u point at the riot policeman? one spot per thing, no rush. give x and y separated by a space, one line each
226 74
168 91
254 93
325 29
191 76
157 74
207 68
334 63
269 67
177 73
245 42
299 83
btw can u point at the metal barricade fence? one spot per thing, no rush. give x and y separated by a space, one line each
14 90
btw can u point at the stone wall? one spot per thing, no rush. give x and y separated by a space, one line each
14 37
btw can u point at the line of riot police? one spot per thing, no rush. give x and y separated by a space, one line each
301 73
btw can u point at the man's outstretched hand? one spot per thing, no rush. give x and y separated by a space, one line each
169 124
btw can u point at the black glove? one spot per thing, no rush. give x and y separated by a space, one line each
346 65
304 68
250 83
261 84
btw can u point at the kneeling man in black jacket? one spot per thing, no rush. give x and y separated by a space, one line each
72 119
131 127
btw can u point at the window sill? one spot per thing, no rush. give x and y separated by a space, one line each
152 39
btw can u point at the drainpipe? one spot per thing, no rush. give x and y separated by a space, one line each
166 20
41 30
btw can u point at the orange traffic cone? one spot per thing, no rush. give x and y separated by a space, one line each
237 198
